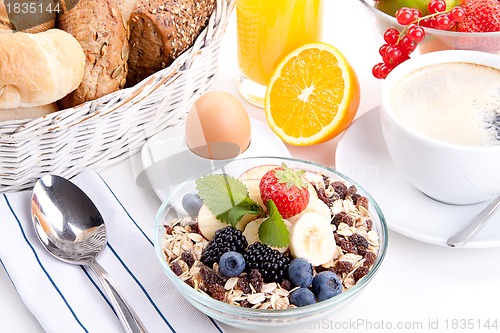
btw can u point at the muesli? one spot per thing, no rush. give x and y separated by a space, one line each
290 238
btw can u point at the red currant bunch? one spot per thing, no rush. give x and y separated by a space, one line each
400 44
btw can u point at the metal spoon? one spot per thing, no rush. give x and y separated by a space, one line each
464 235
71 228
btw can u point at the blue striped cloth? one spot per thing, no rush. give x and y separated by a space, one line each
67 298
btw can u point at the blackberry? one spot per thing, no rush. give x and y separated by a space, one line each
271 264
225 240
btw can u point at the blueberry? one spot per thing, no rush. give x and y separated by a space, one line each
191 202
325 285
300 272
231 264
302 296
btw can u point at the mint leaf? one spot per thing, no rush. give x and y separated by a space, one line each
234 215
273 231
226 197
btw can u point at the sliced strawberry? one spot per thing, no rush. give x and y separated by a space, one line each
480 16
286 188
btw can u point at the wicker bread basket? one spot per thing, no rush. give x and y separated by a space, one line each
107 130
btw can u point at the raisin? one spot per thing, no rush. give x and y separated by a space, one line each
246 304
360 272
320 269
192 228
188 258
361 250
176 268
359 240
324 197
362 201
256 280
286 284
338 239
339 188
244 284
342 267
350 191
342 217
216 292
168 230
369 224
348 247
370 258
209 276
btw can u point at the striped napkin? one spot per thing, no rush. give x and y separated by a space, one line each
68 298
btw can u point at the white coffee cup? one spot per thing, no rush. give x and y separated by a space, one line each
447 172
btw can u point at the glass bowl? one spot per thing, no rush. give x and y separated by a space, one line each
437 40
264 319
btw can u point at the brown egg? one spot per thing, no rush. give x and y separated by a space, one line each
218 126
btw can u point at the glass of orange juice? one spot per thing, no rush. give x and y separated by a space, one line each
267 31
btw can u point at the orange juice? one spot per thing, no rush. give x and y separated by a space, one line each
270 29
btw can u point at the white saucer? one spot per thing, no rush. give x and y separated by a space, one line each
362 155
163 171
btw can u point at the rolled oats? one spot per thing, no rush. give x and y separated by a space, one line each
356 251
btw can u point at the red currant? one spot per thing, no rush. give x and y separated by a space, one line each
436 6
415 33
428 22
407 45
416 13
391 36
404 16
382 50
394 54
443 22
457 14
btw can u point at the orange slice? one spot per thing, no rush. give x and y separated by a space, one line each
312 96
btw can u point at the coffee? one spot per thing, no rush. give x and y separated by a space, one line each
457 103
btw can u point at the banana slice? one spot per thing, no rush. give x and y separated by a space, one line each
311 237
251 232
208 224
315 205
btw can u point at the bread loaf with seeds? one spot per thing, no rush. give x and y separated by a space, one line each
99 27
160 30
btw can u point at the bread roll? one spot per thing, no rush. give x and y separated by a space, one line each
35 17
98 26
38 69
27 113
160 30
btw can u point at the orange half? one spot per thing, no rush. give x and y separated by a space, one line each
312 96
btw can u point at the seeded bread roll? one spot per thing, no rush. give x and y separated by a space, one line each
38 69
38 17
101 31
160 30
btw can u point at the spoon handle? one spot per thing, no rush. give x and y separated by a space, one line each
461 237
125 313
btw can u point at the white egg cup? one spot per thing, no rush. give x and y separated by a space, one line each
448 173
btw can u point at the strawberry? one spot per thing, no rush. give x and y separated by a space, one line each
480 16
286 188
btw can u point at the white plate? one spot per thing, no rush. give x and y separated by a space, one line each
362 155
167 160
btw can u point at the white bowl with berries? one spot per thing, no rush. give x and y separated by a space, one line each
268 243
433 25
